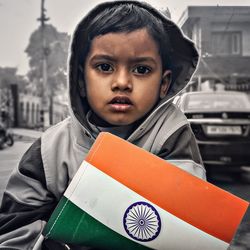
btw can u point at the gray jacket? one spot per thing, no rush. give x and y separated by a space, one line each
46 169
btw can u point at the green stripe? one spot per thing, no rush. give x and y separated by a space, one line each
75 226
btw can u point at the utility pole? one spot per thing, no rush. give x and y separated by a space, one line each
45 97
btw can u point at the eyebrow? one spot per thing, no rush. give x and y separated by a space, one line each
113 59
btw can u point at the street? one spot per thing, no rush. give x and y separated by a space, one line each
241 240
9 158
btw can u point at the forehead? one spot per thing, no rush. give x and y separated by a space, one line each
135 43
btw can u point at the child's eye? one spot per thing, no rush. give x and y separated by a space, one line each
105 67
142 70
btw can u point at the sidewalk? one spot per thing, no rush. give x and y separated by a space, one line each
26 134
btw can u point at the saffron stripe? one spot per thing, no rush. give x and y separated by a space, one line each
189 198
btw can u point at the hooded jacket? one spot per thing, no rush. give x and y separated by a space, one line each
48 166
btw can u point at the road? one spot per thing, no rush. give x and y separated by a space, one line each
9 158
241 240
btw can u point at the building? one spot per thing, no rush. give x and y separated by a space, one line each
30 106
222 35
59 109
22 108
29 110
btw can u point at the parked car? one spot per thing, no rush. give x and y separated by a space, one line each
221 124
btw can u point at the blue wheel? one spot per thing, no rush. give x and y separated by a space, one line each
142 221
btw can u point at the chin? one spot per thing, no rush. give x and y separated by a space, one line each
120 123
124 121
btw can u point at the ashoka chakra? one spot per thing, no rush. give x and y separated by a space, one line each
142 221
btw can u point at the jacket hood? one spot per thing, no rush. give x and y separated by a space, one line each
184 58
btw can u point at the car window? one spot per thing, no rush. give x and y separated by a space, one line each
217 102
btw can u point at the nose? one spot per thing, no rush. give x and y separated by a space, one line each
122 80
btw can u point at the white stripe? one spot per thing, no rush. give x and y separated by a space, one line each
106 200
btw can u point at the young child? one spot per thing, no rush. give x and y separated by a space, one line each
127 62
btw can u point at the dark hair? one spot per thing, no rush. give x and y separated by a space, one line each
127 17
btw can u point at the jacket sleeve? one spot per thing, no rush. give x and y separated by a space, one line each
181 149
26 203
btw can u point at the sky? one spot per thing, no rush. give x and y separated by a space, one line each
18 19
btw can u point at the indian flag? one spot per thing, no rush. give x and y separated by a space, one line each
123 197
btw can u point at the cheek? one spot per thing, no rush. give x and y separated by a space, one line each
94 96
93 85
95 81
147 100
149 97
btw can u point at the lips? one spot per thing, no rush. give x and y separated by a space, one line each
121 100
120 104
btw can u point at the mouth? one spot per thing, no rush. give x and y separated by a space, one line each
121 100
120 103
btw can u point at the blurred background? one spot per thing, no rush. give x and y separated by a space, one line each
35 36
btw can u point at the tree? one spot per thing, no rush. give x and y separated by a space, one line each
56 52
8 76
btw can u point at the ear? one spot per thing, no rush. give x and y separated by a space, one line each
166 81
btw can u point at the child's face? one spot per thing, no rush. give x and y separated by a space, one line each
123 76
